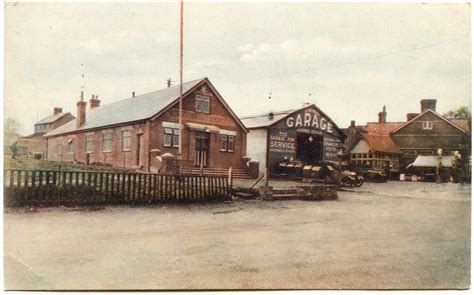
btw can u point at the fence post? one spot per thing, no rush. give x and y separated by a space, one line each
265 187
230 176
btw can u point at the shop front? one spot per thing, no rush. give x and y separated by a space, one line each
300 137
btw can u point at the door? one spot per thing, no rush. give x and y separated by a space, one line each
201 150
309 148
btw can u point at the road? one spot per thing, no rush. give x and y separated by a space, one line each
381 236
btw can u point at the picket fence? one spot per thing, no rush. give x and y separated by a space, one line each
47 188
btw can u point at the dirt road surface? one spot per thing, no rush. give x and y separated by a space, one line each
393 235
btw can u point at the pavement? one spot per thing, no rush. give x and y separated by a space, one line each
395 235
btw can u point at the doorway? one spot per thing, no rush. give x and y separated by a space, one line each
201 150
309 148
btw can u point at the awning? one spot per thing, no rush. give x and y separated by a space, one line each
431 161
203 128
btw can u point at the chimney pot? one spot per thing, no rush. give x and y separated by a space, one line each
57 110
353 123
168 83
428 104
81 111
410 116
133 94
380 117
94 101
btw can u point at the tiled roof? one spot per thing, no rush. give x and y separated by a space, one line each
138 108
382 129
52 118
381 144
464 124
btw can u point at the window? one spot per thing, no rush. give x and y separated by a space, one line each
89 143
202 103
59 148
171 137
70 146
227 143
230 145
126 135
107 141
223 143
427 125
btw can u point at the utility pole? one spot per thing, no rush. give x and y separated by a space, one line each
180 149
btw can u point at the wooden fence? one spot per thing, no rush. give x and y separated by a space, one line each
52 188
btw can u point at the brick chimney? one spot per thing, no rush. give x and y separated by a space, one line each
94 101
382 116
428 104
353 123
411 116
81 111
57 111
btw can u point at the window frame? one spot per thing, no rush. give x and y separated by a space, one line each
199 99
427 125
171 137
108 139
69 145
129 141
229 142
59 148
86 141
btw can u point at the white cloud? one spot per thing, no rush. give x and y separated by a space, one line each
295 50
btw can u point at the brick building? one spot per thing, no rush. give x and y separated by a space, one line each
35 144
57 119
130 133
399 143
425 132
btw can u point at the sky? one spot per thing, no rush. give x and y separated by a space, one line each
348 59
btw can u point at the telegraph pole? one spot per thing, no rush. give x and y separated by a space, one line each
180 149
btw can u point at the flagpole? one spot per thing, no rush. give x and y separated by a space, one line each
181 81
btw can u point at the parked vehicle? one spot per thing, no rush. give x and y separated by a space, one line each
350 178
374 175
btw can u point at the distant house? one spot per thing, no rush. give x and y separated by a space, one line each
426 132
35 144
376 152
57 119
400 142
305 134
132 132
373 147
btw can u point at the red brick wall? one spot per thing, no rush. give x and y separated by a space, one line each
117 157
153 137
218 116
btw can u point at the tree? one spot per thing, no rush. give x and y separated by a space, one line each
461 112
11 129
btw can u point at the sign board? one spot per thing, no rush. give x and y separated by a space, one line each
281 142
309 119
331 146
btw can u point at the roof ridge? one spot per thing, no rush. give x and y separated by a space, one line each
266 114
147 93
